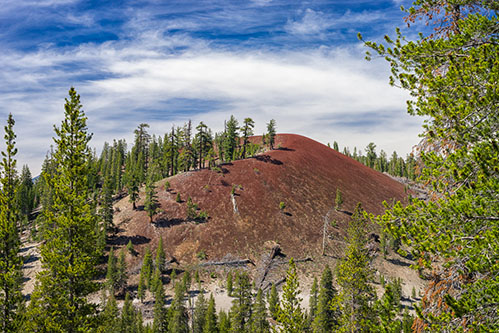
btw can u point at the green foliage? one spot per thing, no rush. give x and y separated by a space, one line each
229 284
354 275
210 321
230 139
11 298
129 247
160 260
151 203
146 269
240 311
130 319
69 252
201 255
178 318
223 322
290 317
25 194
326 317
110 320
177 198
314 294
452 75
271 132
273 301
259 322
282 205
338 201
160 322
247 131
200 310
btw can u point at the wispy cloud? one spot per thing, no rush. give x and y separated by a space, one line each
205 62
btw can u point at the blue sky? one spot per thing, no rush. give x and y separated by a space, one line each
164 62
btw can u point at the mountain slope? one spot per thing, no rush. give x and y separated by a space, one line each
302 173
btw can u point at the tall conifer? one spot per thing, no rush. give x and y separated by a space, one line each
69 253
11 298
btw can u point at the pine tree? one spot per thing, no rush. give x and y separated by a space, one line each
240 311
128 322
146 269
338 201
11 298
231 137
160 256
247 131
141 290
259 322
160 323
210 321
204 142
69 253
290 317
151 204
199 313
451 73
178 318
25 196
111 276
326 318
121 273
271 132
355 276
229 284
107 210
314 293
273 301
110 317
223 322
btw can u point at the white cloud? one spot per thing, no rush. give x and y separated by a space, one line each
307 93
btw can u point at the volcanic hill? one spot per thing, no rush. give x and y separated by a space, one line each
301 173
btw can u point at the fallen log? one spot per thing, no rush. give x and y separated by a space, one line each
227 263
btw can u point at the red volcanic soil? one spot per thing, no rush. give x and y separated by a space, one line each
302 173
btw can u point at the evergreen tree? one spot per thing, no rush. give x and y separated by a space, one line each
314 294
229 284
338 201
110 317
69 253
210 321
223 322
452 75
200 310
271 132
11 298
25 196
111 276
204 142
355 276
128 320
107 210
231 139
247 131
160 256
146 269
273 301
178 318
121 274
290 317
335 146
160 323
259 322
151 204
240 311
141 290
326 318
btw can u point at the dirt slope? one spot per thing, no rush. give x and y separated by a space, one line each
302 173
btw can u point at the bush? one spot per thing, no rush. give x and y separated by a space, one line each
282 205
178 199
